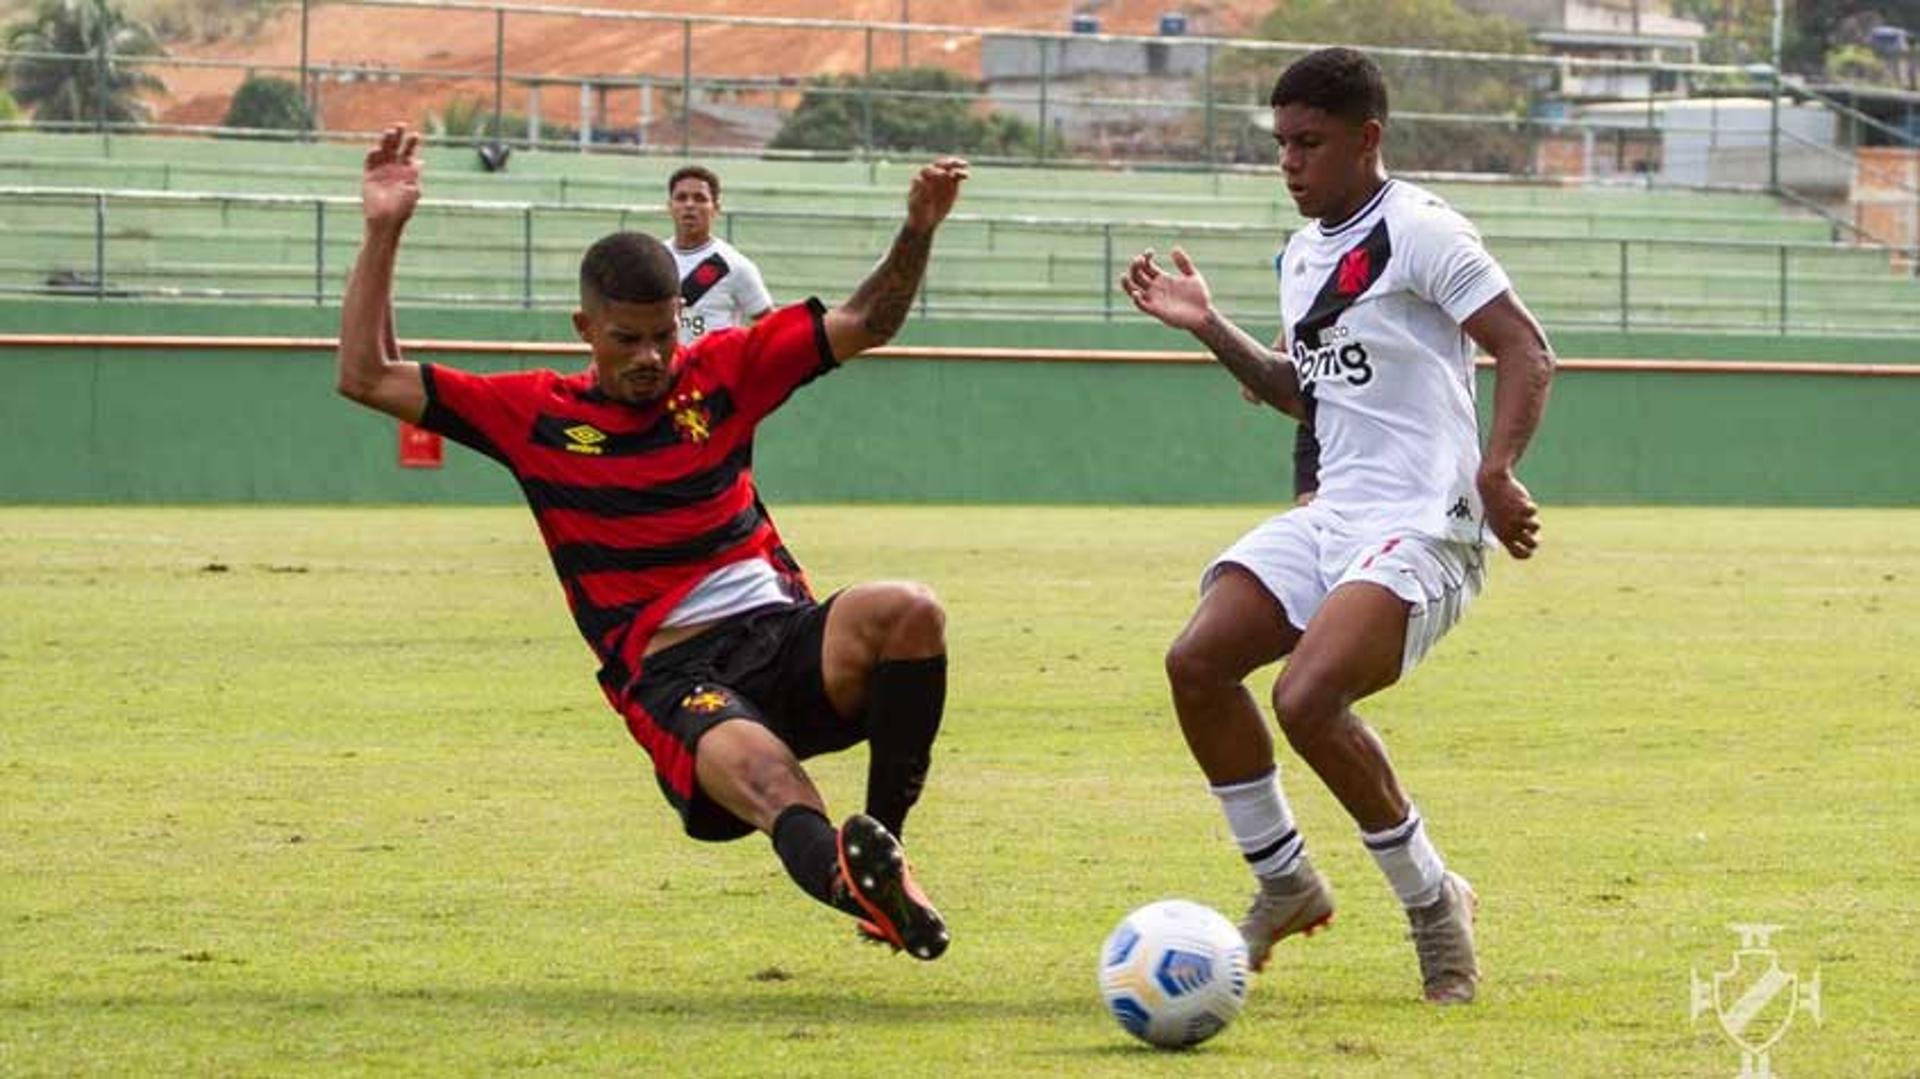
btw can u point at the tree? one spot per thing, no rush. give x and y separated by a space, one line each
1813 34
9 108
472 118
832 116
270 104
94 39
1738 31
1436 87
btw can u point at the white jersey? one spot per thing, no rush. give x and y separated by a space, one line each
719 287
1371 310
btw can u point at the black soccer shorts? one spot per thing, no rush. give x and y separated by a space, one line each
763 666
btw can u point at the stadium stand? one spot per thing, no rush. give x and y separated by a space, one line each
228 217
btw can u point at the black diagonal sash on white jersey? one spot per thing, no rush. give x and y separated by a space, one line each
701 279
1352 276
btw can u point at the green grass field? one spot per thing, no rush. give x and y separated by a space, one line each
326 792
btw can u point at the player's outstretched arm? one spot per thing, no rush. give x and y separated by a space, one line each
1523 369
1183 301
878 308
370 368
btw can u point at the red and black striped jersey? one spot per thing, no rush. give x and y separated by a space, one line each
637 503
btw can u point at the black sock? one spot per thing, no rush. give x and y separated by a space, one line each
905 698
807 845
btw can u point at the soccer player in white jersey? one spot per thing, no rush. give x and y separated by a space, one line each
1383 296
719 286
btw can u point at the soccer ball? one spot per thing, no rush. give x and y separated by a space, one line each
1174 973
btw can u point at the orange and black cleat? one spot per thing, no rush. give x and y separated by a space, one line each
878 883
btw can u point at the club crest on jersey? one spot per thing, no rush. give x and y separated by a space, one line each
705 702
691 418
585 438
706 274
1355 273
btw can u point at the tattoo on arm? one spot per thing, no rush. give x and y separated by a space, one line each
1269 376
885 297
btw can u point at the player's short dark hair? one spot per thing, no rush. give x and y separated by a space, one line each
695 172
628 267
1339 81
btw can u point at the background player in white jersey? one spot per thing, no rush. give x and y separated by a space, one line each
719 287
1382 298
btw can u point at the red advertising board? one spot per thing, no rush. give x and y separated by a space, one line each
419 447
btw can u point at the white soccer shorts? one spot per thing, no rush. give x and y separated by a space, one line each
1302 555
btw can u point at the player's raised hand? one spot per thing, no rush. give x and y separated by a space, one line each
390 183
1511 513
934 190
1180 299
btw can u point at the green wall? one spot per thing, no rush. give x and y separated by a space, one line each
109 426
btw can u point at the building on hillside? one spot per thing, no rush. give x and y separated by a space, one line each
1124 99
1636 30
1701 142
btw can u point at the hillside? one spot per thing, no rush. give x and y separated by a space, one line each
464 41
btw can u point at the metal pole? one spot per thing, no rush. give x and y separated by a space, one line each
1653 141
866 99
1042 43
100 246
499 66
319 252
100 86
306 90
586 115
1106 266
1773 112
1209 61
1783 288
1773 132
686 87
526 258
1624 325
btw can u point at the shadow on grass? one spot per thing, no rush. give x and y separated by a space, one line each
771 1005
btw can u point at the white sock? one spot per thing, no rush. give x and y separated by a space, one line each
1262 824
1407 857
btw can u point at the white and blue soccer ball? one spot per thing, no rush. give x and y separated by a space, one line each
1174 973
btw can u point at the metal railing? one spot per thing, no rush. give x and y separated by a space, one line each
110 244
1179 101
1159 102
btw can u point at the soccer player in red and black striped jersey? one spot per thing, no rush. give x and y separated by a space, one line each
639 474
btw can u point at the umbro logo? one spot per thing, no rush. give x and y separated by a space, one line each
585 438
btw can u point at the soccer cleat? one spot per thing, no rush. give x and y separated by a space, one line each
1442 934
889 907
1297 901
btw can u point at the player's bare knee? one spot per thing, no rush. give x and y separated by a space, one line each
1308 709
1192 667
917 623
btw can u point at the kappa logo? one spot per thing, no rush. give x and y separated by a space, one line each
691 417
585 438
1754 999
1460 510
704 701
